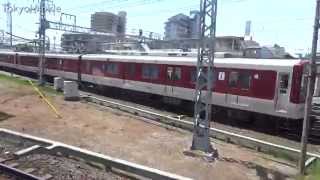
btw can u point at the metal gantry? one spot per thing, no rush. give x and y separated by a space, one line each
42 40
204 84
311 85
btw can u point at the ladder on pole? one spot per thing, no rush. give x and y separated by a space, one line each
204 84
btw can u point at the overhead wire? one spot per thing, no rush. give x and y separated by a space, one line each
126 4
93 4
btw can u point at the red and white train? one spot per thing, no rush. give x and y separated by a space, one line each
273 87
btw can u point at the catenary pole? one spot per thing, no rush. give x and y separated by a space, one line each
204 76
311 79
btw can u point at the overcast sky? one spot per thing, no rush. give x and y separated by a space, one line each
285 22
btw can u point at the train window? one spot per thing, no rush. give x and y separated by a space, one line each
233 79
112 68
284 83
303 86
150 71
174 73
303 89
3 57
193 76
131 70
245 80
170 73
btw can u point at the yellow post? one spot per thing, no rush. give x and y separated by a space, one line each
45 100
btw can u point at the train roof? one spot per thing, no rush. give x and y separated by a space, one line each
236 63
241 63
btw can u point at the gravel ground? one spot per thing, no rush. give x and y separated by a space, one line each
9 145
63 168
7 177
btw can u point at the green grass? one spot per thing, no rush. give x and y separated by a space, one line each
283 155
16 82
4 116
6 79
313 171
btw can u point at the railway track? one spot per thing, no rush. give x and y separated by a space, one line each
25 157
315 122
293 130
8 172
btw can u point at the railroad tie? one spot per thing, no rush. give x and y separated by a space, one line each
27 150
13 165
47 177
29 170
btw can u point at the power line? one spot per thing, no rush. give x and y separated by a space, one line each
20 37
127 4
93 4
167 11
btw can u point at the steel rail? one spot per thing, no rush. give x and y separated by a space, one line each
246 141
18 173
65 150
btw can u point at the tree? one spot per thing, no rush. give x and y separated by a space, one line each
24 47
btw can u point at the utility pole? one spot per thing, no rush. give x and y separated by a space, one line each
2 36
311 77
204 84
54 43
42 40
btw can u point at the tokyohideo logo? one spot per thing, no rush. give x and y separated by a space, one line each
34 7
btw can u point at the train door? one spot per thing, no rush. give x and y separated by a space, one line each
169 80
15 59
129 72
231 98
244 85
282 92
239 83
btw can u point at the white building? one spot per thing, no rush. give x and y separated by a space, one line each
182 26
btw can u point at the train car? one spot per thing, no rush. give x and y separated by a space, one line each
274 87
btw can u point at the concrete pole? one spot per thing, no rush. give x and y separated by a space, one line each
310 90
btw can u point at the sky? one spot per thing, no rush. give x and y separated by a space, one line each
288 23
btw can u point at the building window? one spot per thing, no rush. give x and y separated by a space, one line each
174 73
112 68
233 79
245 80
150 71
